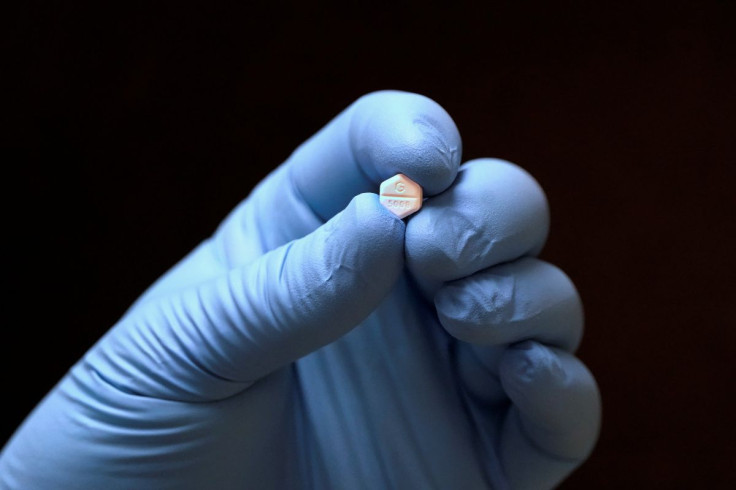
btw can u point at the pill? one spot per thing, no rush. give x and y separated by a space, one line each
401 195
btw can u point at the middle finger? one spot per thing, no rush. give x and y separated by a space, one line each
495 212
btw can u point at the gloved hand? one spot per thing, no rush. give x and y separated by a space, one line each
317 341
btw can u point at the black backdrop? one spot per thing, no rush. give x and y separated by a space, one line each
130 131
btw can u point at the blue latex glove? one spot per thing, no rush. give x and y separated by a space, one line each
317 341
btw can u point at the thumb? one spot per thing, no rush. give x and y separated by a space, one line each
212 341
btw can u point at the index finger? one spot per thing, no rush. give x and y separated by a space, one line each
378 136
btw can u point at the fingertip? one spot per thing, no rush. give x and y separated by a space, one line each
473 312
369 216
556 396
400 132
369 237
515 301
523 189
378 136
521 185
528 363
495 212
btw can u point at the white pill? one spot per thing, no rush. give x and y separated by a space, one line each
401 195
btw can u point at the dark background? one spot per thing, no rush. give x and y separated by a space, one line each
130 131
